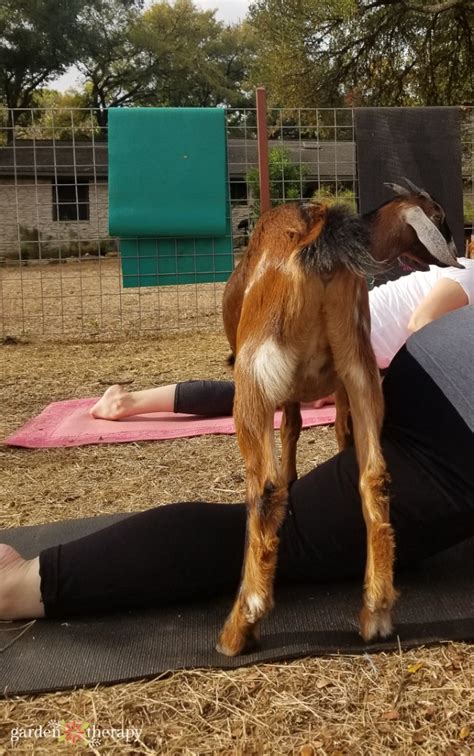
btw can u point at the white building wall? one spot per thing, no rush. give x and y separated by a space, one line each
26 210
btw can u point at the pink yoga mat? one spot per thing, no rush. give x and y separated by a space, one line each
69 424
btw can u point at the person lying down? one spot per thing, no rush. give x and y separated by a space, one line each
194 550
397 308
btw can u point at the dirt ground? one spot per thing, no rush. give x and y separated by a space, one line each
86 297
418 702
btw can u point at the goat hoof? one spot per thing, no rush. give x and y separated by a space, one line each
227 650
233 642
375 624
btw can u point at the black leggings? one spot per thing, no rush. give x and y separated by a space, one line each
194 550
209 398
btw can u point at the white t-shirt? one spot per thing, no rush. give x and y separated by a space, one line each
392 304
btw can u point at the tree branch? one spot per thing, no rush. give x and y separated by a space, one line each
436 8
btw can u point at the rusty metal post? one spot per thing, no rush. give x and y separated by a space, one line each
262 139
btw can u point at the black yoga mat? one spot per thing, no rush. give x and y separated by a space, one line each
423 144
437 604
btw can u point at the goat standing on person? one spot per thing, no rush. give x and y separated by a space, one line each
296 314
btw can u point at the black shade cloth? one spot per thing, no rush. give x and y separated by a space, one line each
437 604
423 144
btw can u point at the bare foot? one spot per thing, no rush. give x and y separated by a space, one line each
20 595
319 403
114 404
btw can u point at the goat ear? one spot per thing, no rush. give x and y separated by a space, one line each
397 188
431 237
416 189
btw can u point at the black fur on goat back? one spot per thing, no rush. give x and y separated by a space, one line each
342 243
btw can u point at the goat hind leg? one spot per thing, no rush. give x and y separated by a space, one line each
266 502
343 428
379 592
290 432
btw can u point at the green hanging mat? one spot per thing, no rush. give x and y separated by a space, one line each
168 195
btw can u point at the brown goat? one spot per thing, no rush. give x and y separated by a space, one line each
296 314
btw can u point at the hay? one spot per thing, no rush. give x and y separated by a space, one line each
333 705
419 702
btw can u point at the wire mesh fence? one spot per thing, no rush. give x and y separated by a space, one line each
60 271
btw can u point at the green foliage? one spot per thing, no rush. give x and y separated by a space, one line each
193 59
38 40
364 52
59 116
469 209
37 245
287 179
170 55
332 194
116 70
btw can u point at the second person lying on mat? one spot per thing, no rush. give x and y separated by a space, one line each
193 550
397 308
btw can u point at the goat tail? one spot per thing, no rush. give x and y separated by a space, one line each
343 241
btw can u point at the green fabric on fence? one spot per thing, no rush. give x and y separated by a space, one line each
152 262
169 195
167 172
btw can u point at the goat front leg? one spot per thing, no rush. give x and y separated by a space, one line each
290 432
266 502
367 412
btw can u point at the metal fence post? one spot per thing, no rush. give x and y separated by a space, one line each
264 179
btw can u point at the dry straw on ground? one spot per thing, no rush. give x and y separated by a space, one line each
86 296
418 702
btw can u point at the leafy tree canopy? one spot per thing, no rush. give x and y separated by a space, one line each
36 44
372 52
195 60
170 55
39 40
287 180
114 69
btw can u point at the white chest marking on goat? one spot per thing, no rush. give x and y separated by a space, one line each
273 367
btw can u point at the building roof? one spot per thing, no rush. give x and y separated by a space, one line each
47 158
325 160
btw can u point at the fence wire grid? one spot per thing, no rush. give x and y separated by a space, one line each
60 271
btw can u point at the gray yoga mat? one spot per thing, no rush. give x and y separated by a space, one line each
437 604
423 144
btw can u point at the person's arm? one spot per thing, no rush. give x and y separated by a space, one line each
446 295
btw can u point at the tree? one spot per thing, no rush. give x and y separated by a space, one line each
195 60
170 55
115 69
364 52
60 115
287 179
38 40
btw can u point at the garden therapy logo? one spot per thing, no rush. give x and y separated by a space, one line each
75 732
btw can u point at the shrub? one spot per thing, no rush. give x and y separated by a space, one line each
287 179
331 194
